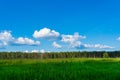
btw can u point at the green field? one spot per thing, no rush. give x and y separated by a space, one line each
60 69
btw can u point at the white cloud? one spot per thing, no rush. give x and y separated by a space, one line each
88 45
26 41
46 33
42 51
97 46
56 45
74 41
76 44
103 46
6 37
26 51
72 38
35 51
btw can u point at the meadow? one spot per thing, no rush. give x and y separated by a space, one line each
60 69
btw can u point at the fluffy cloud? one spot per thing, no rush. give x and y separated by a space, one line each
56 45
46 33
74 41
97 46
72 38
6 38
26 41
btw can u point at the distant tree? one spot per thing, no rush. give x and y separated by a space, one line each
105 55
84 54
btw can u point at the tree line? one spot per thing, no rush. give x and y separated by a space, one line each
51 55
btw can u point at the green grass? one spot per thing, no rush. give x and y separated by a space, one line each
60 69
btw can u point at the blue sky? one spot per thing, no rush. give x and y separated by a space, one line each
61 25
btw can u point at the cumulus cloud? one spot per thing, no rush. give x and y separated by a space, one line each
56 45
72 38
75 42
6 37
46 33
26 41
97 46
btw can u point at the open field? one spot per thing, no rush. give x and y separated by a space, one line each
60 69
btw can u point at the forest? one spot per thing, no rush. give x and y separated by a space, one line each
52 55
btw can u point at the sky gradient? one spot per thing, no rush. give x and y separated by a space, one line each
59 25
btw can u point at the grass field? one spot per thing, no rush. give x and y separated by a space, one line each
60 69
